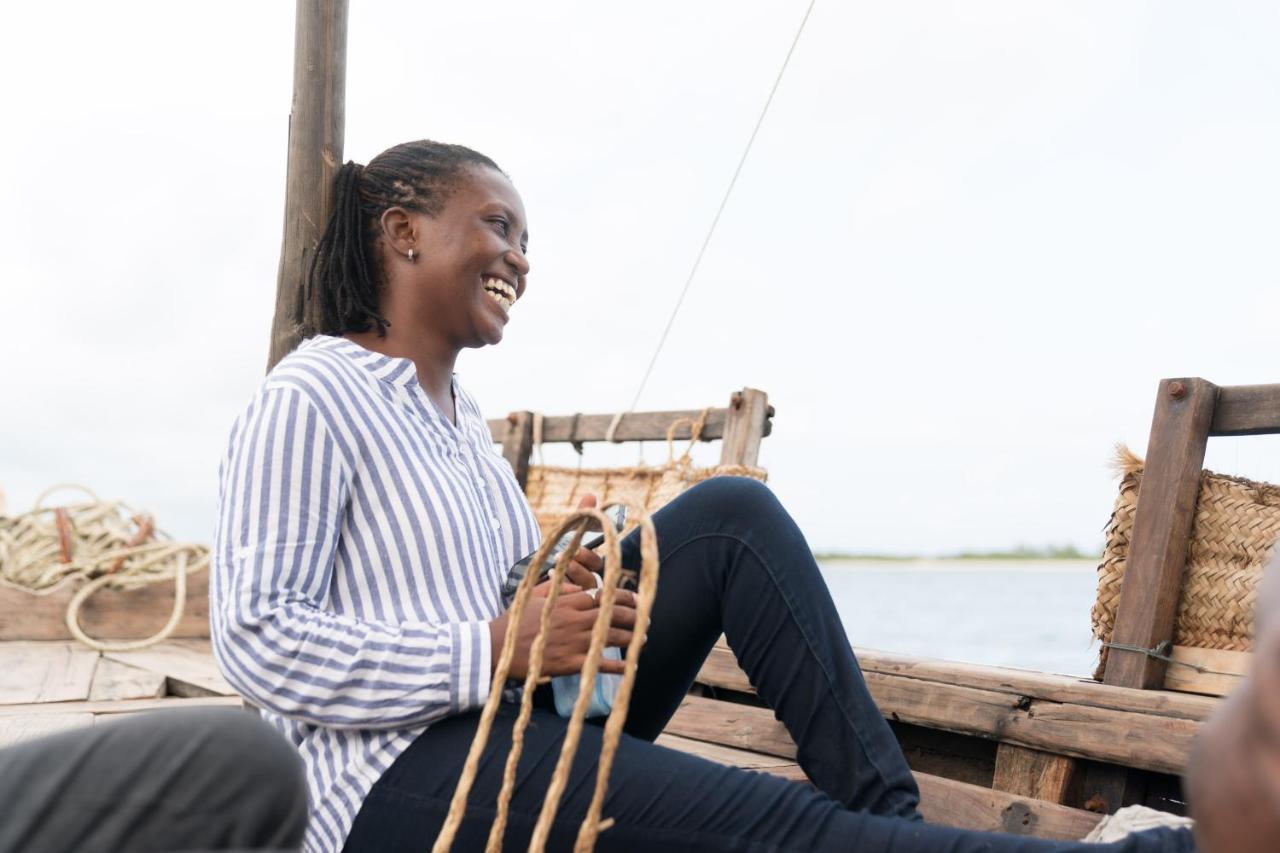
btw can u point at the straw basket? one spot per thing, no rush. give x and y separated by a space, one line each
1237 522
554 492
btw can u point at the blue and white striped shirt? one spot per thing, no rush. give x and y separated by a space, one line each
361 545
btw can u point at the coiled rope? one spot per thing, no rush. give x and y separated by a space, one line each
107 544
592 825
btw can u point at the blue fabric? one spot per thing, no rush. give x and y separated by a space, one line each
732 561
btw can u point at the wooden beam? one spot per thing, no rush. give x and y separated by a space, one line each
1161 531
747 424
1033 773
942 801
721 670
45 672
635 426
517 444
1215 672
316 123
1247 410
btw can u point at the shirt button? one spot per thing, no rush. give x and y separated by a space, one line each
481 482
495 524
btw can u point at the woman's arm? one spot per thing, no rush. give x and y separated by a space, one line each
285 486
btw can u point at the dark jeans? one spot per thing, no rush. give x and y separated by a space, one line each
214 779
733 561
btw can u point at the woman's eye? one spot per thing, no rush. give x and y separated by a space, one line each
502 224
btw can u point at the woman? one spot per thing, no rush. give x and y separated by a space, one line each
366 528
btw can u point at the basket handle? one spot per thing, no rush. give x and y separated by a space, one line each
696 426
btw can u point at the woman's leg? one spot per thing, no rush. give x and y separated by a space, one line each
733 561
658 798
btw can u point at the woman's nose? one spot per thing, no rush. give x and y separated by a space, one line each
518 262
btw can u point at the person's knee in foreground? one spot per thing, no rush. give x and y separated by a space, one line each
1233 777
208 779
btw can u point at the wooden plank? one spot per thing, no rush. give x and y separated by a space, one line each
190 669
634 426
952 803
18 728
1161 530
108 614
956 756
1222 670
127 706
1247 410
747 424
517 444
114 681
1118 737
723 754
942 801
45 672
1033 773
316 122
721 670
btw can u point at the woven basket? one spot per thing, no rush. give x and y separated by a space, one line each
1236 524
554 492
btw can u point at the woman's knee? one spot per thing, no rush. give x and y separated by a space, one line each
735 496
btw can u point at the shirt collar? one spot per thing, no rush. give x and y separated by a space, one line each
400 372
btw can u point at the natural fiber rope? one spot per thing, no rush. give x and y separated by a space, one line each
591 825
44 548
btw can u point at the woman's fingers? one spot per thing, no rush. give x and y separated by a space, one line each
590 559
582 576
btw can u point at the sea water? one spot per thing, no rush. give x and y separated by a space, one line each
1021 613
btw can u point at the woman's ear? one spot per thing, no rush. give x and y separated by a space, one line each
399 231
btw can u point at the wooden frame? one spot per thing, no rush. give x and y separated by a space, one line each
742 425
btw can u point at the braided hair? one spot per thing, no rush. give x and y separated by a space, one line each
345 277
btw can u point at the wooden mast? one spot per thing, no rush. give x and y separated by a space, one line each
316 121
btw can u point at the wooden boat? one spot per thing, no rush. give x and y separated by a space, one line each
993 748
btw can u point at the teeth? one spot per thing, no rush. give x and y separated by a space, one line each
501 300
506 290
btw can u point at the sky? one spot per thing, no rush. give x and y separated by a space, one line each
970 239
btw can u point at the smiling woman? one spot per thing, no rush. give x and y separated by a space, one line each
367 525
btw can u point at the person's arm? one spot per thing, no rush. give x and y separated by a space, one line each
285 484
1233 777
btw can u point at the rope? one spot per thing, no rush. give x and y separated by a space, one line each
1161 652
720 210
104 543
592 826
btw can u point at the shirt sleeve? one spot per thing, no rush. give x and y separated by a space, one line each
285 484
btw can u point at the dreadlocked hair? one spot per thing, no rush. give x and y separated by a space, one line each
345 278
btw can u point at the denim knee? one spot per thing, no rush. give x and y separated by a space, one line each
735 497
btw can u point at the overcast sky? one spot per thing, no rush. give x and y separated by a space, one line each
969 242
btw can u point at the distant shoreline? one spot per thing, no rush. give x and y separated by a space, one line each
1019 554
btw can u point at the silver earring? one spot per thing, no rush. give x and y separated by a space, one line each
413 255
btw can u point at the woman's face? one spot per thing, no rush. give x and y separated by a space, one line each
471 263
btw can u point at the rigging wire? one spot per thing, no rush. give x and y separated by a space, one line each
662 340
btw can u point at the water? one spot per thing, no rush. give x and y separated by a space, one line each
1022 613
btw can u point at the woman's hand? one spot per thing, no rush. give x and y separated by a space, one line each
569 633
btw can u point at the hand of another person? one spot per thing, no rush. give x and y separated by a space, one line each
1233 776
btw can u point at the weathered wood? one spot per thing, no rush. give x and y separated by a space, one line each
1161 531
1247 410
721 670
634 426
316 123
45 672
942 801
747 424
126 706
113 681
108 614
189 669
1119 737
18 728
1222 670
517 444
1033 773
957 804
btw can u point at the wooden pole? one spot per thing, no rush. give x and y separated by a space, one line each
316 122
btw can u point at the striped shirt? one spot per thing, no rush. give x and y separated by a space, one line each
361 545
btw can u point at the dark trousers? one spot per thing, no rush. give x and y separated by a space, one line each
732 561
214 779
